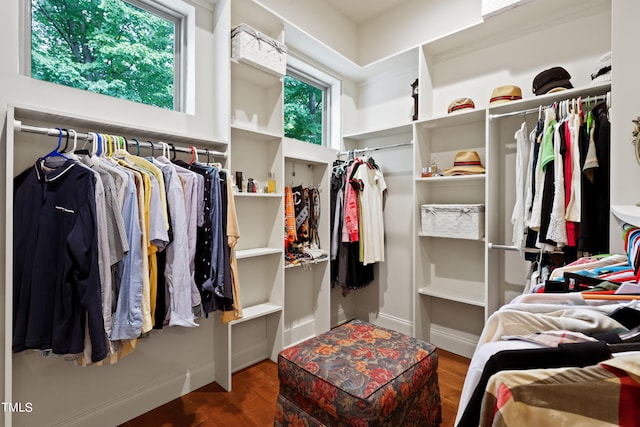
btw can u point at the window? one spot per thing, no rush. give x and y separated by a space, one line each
304 113
310 104
126 49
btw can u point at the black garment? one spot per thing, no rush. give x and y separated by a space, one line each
532 235
336 185
565 355
352 274
547 201
225 303
160 313
203 237
56 279
594 222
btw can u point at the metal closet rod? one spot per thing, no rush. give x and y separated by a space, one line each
85 136
537 109
366 149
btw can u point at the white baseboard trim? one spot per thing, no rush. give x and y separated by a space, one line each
250 355
464 346
299 333
390 322
134 402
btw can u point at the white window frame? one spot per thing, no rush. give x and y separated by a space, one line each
331 106
180 13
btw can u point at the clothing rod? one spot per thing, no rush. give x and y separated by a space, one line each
503 247
366 149
537 109
515 248
87 137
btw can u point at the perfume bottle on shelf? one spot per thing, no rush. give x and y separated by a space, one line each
271 183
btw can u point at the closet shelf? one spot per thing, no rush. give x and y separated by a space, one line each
420 234
249 131
259 195
253 75
549 98
455 119
456 178
41 117
382 132
309 262
256 311
452 293
256 252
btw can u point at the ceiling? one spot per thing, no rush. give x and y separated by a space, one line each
360 11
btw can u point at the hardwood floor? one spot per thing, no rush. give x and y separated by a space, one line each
251 403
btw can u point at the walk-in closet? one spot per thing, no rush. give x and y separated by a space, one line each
414 125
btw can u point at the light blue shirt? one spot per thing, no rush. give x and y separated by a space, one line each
127 320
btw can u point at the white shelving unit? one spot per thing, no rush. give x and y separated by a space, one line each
448 271
308 286
256 105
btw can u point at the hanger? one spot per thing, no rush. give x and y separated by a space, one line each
109 149
122 144
56 152
173 152
66 141
137 146
71 154
153 148
94 145
206 150
194 154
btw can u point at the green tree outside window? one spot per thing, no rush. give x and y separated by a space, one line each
303 111
104 46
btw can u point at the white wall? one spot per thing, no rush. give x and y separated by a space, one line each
168 363
413 23
319 20
625 170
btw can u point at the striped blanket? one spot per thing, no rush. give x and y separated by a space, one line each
607 394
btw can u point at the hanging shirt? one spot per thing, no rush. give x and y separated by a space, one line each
557 230
189 181
522 160
350 218
233 234
371 197
56 279
127 320
177 273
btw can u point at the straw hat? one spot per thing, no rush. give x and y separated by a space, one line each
460 104
466 163
503 94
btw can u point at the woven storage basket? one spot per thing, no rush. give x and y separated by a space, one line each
252 47
457 221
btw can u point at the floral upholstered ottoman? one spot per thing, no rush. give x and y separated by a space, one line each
359 374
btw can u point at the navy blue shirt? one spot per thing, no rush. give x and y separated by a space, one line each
56 281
